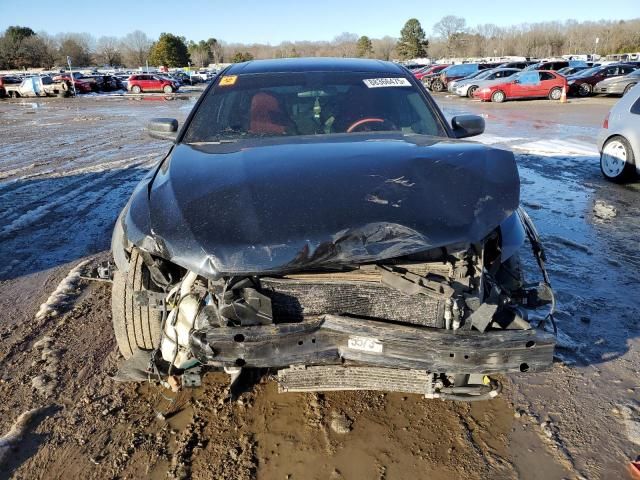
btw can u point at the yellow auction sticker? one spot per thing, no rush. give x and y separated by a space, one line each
228 80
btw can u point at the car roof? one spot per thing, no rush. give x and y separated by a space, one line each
319 64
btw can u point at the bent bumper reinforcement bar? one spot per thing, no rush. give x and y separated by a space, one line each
332 340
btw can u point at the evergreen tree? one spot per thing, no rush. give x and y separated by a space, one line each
170 51
13 53
364 48
413 42
241 57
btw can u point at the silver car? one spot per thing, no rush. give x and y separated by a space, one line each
618 85
451 87
465 88
619 139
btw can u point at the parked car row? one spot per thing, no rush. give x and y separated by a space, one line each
33 86
529 79
67 83
586 82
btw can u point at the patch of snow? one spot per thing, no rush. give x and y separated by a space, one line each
489 139
9 441
28 218
548 148
60 295
604 211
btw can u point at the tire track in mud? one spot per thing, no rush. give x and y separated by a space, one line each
72 225
26 218
48 186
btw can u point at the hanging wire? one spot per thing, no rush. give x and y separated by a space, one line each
541 257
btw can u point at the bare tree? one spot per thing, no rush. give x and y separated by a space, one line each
77 46
108 51
345 44
384 48
136 46
450 29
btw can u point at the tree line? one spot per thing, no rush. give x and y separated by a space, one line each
21 47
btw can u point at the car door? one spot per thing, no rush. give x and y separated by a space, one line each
547 82
156 83
140 81
526 85
143 82
147 82
602 75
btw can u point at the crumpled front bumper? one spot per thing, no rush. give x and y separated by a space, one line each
334 340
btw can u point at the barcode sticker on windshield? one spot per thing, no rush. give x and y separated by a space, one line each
386 82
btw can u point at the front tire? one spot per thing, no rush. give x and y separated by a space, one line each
167 89
136 89
136 327
437 86
584 90
498 96
617 162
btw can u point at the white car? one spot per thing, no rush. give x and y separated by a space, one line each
465 88
619 139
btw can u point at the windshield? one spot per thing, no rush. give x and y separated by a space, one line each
482 74
496 74
588 72
290 104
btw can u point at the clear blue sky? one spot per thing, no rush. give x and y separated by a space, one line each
272 21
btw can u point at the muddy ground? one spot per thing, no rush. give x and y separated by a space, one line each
67 167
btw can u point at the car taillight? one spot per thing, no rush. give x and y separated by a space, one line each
605 124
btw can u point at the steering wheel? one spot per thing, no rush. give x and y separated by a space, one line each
363 121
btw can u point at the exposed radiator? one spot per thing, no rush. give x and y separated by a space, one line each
291 300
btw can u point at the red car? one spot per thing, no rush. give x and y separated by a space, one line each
151 83
429 70
82 86
527 84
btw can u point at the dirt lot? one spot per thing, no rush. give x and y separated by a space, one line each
67 167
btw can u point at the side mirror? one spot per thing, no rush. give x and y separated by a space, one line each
163 128
467 125
516 81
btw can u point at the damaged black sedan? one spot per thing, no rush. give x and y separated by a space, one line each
320 218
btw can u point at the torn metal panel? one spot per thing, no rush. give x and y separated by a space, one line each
281 205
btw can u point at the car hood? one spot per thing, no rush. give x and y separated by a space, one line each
283 204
